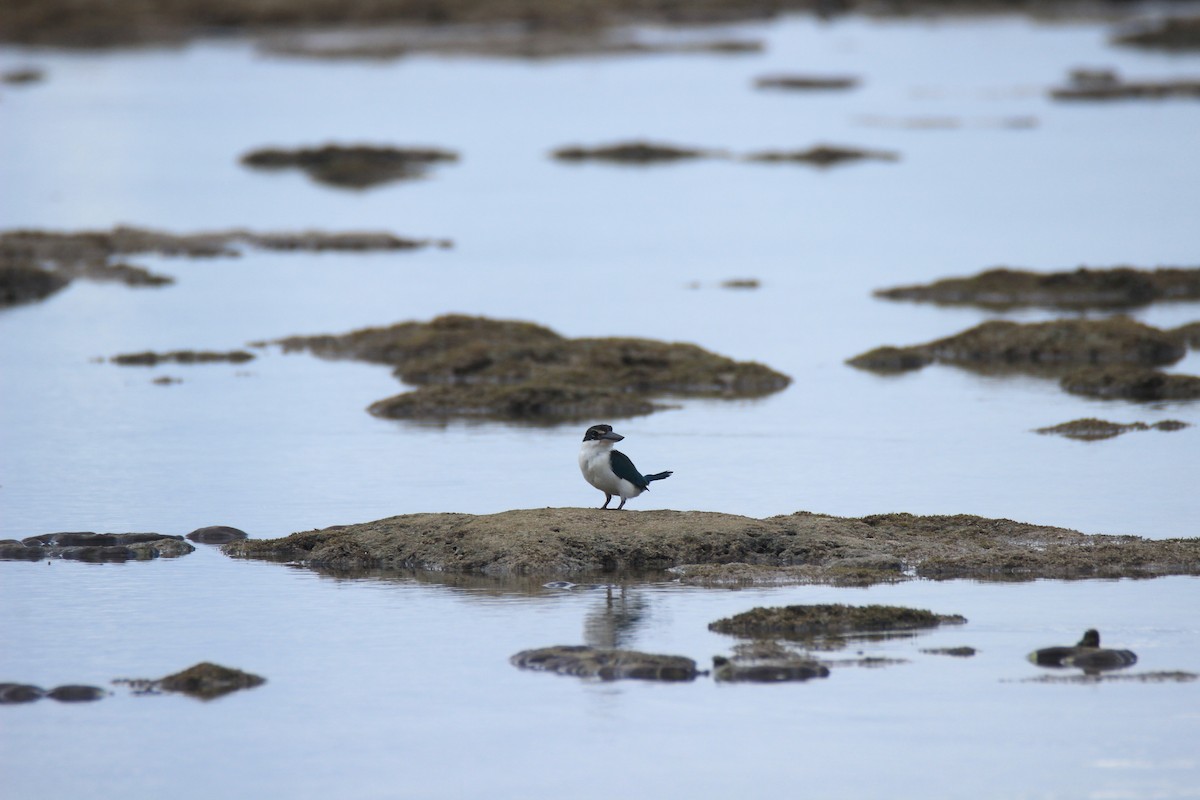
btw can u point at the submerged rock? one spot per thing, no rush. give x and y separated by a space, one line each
806 83
150 359
1086 677
216 534
1108 85
769 670
582 661
1125 382
17 693
1054 347
956 652
558 542
632 153
24 283
353 166
1166 33
1087 655
81 546
1091 429
1085 287
822 155
22 76
473 367
839 621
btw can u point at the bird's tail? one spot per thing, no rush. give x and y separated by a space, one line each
658 476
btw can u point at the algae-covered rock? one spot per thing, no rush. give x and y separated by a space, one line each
1091 429
1126 382
474 367
1108 85
803 622
353 166
216 534
1189 334
571 541
1054 347
1085 287
206 681
636 152
150 359
88 546
582 661
1175 32
767 670
821 155
24 283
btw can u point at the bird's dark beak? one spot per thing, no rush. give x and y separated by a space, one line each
612 437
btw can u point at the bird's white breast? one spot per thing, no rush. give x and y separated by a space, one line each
596 465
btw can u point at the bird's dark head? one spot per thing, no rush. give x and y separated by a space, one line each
1091 638
598 433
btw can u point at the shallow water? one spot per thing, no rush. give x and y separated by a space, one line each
425 704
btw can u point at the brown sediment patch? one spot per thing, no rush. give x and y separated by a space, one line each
832 620
1082 288
806 83
1092 429
1041 348
582 661
566 541
495 40
87 546
150 359
637 152
821 155
27 257
474 367
351 166
1166 33
1107 84
1126 382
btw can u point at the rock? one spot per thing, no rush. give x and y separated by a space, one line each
1085 287
1189 334
1166 33
582 661
1164 676
1125 382
806 83
632 153
957 652
1042 348
216 534
559 542
1091 429
22 283
15 693
1107 85
741 283
351 167
767 671
802 622
207 681
76 693
150 359
822 155
99 547
22 76
1087 655
474 367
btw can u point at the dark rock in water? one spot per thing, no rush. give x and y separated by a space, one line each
829 620
1167 33
822 155
22 76
1189 334
24 283
1087 655
632 153
582 661
1092 429
1085 287
150 359
76 693
99 547
767 671
216 534
355 166
957 652
1124 382
474 367
1108 85
14 693
207 681
806 82
1040 348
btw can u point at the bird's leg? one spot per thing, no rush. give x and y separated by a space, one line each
622 504
607 500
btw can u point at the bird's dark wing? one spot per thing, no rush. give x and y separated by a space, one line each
625 469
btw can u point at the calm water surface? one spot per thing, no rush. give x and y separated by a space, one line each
400 687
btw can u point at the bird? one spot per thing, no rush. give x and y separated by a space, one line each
610 470
1088 655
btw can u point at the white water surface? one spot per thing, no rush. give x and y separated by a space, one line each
401 688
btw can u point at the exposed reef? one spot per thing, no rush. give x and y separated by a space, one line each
637 152
822 155
824 621
151 359
203 681
1083 288
474 367
353 166
582 661
806 83
1166 33
1107 84
1125 382
567 541
35 263
1092 429
94 547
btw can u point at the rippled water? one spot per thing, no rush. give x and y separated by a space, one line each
401 687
